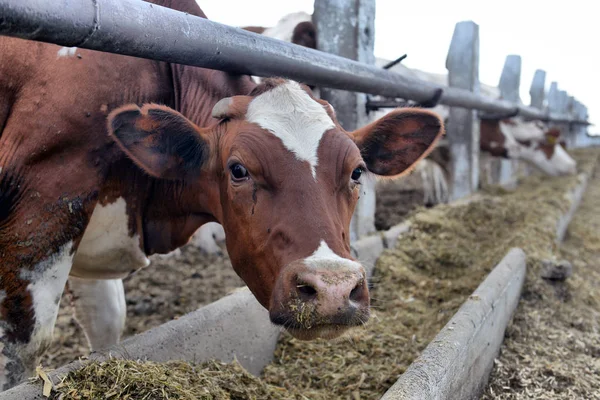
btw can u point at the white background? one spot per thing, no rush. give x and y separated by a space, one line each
560 37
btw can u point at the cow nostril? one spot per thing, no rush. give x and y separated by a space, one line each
356 293
306 292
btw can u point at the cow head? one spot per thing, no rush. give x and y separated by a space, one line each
530 141
283 178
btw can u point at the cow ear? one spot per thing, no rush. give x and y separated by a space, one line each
392 145
158 139
305 34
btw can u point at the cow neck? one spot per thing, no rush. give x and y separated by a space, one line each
169 212
197 90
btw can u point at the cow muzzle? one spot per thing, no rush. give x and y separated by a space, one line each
320 299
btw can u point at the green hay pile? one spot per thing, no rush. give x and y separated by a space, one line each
417 288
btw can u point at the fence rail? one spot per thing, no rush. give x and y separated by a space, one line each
140 29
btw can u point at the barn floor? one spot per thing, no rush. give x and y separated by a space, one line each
552 346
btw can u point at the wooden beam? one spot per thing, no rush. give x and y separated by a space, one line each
538 89
347 29
463 125
553 97
510 83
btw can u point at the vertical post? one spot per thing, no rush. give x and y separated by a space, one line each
463 125
537 92
582 139
562 99
510 83
538 89
584 128
553 97
571 112
347 29
553 104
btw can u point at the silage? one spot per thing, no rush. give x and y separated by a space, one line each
417 287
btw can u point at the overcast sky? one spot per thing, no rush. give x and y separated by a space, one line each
557 36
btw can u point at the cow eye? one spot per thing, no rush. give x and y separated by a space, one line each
357 173
239 173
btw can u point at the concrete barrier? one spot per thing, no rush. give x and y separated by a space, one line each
574 197
234 326
457 363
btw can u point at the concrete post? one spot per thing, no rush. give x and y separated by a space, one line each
581 131
463 125
538 89
510 83
552 103
537 92
347 29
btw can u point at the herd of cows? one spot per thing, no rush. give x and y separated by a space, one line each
107 159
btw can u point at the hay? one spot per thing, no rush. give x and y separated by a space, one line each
133 380
552 346
417 288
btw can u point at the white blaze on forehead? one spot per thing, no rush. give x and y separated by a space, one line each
523 130
66 52
289 113
325 257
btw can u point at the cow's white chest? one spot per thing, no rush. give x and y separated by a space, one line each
107 250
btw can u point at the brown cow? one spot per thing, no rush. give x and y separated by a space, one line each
185 146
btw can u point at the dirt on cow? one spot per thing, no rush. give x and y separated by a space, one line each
417 287
551 348
168 288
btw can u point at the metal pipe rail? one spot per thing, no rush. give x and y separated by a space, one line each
140 29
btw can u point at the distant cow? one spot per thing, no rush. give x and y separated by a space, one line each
185 146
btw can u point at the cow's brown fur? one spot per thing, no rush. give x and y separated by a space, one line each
492 140
53 137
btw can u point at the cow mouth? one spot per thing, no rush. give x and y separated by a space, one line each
314 327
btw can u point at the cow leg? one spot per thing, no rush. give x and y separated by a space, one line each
208 236
30 302
99 309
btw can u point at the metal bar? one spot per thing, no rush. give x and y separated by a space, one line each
140 29
396 61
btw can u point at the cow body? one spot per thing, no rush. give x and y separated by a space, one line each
185 146
65 185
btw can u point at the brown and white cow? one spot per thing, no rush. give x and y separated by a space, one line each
185 146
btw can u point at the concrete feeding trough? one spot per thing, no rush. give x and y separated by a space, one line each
456 364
